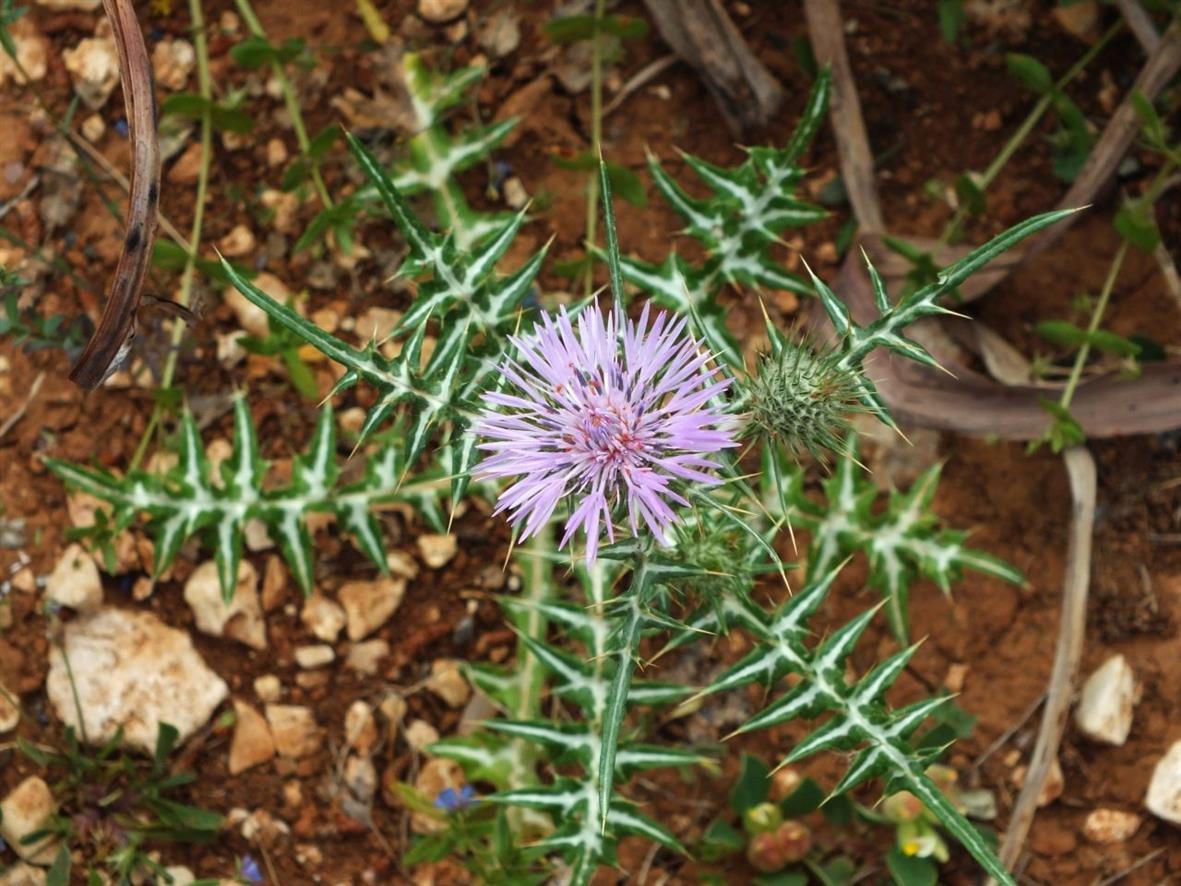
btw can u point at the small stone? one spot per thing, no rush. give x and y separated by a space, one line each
274 584
1052 787
1107 826
94 68
23 874
187 167
401 563
956 674
252 744
437 549
25 581
268 688
75 581
360 728
252 318
276 153
420 735
308 855
369 604
32 51
264 829
515 195
501 32
285 207
439 11
1164 789
1079 19
323 617
1104 711
447 682
437 775
181 875
25 811
241 619
130 670
393 708
93 128
294 729
10 713
238 242
173 61
309 657
365 657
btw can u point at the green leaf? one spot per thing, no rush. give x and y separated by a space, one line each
951 19
1155 132
720 840
807 797
255 51
1029 72
969 193
909 870
576 28
1136 222
753 784
1062 333
1110 343
59 872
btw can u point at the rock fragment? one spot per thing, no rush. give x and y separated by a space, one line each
294 730
1108 826
1164 788
130 670
75 582
252 744
241 618
25 811
1104 711
369 604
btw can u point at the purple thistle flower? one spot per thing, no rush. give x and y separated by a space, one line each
608 412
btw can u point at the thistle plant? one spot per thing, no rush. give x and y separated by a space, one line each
622 428
192 498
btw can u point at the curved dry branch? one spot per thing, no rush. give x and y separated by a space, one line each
1080 467
970 403
116 328
827 33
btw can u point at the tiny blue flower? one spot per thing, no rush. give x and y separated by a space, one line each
450 800
250 870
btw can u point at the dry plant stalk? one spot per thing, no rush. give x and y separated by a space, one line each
116 328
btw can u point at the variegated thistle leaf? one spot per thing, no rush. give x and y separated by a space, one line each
859 715
476 307
590 815
192 498
887 330
901 541
434 155
748 209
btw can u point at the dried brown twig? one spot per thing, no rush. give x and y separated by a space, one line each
116 328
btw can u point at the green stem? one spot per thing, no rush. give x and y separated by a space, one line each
205 88
291 101
1096 318
592 185
1022 132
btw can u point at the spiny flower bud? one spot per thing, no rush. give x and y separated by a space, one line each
800 398
762 818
